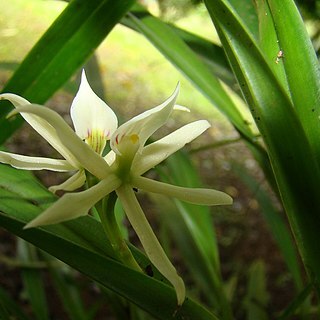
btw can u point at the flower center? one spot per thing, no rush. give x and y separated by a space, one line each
127 145
97 139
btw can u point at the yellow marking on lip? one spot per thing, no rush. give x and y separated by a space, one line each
96 140
134 138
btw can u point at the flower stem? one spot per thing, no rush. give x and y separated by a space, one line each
111 228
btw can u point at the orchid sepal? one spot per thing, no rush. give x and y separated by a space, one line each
149 241
34 163
40 125
158 151
74 205
200 196
88 158
74 182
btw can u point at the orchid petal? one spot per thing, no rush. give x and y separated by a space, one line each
80 150
146 123
148 240
200 196
89 112
158 151
34 163
74 182
42 127
74 205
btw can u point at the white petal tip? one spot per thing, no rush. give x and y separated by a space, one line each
30 225
228 200
181 108
177 89
180 291
219 198
12 113
83 76
53 189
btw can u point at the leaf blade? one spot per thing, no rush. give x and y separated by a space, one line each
65 46
287 142
177 52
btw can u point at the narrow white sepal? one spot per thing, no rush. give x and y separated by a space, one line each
160 150
88 159
74 205
74 182
149 241
40 125
201 196
35 163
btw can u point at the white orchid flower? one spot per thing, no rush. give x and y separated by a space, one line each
90 128
121 170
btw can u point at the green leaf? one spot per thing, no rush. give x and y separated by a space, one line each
81 244
25 198
288 144
67 291
9 309
210 53
275 221
192 229
301 66
297 303
247 11
269 43
164 38
33 281
142 290
66 45
257 297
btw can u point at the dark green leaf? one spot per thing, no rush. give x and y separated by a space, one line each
297 302
275 221
81 244
301 66
193 231
62 50
292 154
66 289
9 309
246 10
257 297
33 281
164 38
151 295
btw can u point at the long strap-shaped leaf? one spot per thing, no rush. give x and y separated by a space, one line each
81 244
292 157
178 53
301 66
209 52
65 46
151 295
